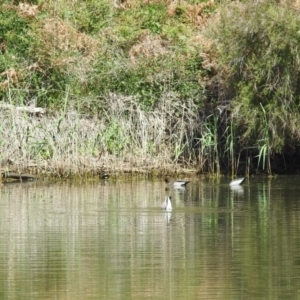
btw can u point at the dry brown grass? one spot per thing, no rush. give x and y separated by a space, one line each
291 3
196 13
8 77
71 144
24 10
148 46
27 10
64 46
14 78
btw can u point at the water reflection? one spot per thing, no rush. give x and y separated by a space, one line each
113 241
237 189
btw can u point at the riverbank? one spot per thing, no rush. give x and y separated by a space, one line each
156 143
150 86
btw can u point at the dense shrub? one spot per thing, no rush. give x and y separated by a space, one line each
258 46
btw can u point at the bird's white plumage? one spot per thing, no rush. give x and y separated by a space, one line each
167 205
237 181
180 183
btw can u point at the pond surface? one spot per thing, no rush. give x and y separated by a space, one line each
111 240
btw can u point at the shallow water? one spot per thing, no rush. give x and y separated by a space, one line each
110 240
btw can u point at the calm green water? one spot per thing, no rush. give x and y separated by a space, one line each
110 240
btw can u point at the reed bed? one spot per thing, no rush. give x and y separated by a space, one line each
123 137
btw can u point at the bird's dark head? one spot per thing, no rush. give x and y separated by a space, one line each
167 180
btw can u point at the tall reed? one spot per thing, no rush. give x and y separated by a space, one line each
264 144
208 143
123 136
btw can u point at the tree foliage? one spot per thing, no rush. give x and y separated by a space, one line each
258 51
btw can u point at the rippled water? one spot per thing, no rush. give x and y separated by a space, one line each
110 240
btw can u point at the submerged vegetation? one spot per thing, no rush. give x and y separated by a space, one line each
150 86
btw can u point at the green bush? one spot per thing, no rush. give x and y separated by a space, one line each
258 46
91 16
151 77
15 32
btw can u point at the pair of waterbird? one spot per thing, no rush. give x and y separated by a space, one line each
167 205
183 183
178 184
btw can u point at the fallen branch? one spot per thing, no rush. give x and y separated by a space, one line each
22 177
32 110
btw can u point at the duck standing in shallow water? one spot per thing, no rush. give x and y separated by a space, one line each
167 205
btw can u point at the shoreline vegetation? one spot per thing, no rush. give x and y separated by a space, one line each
149 87
71 144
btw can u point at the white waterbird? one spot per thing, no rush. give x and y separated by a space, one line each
237 181
167 205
